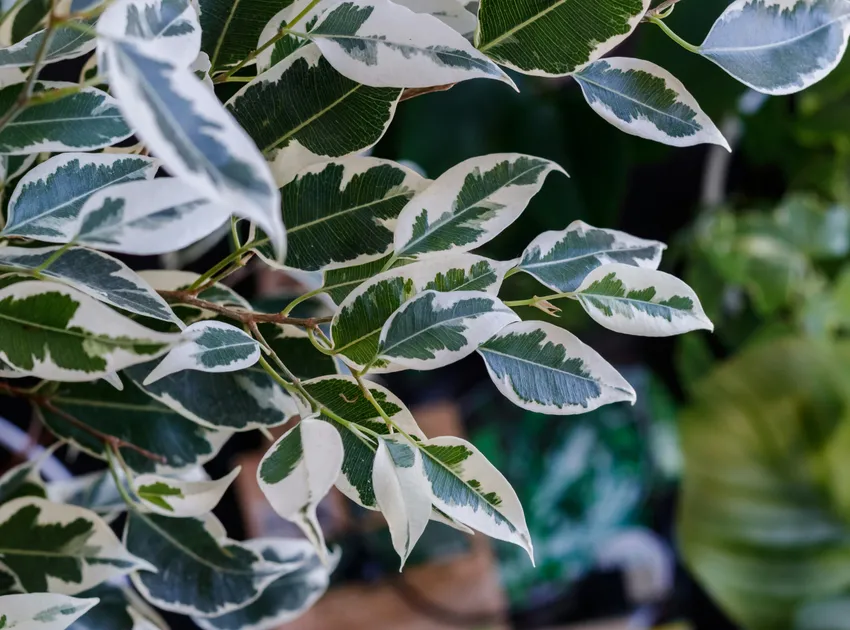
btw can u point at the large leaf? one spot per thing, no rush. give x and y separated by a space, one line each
180 498
383 44
554 37
638 301
82 121
435 329
65 43
470 204
184 124
542 367
357 324
199 570
120 608
48 199
342 213
298 471
135 418
56 332
302 111
22 480
60 548
232 28
342 396
96 274
779 47
41 611
645 100
562 260
285 599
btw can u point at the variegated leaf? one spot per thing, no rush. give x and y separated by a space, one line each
177 280
779 46
178 498
342 213
199 570
211 347
338 283
450 12
293 345
94 273
383 44
342 396
470 204
357 324
325 116
288 43
42 611
94 491
22 480
543 368
65 43
402 491
85 120
60 548
562 260
467 487
134 418
641 302
285 599
231 29
435 329
120 608
645 100
298 471
56 332
554 37
199 142
48 199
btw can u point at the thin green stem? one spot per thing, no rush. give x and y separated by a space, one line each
393 260
113 470
12 10
300 299
234 233
51 259
202 279
536 300
389 421
318 346
512 271
669 32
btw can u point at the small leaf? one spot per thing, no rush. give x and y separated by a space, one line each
643 302
178 498
645 100
470 204
562 260
779 47
65 43
435 329
543 368
554 38
22 480
60 548
402 492
231 29
42 611
120 608
383 44
298 471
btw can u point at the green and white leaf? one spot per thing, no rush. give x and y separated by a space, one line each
357 324
120 608
554 37
342 396
288 44
343 213
177 280
643 302
326 115
183 124
178 498
231 29
450 12
199 570
402 491
468 488
470 204
41 611
65 43
779 46
293 345
22 480
132 417
60 548
543 368
562 260
298 471
383 44
288 597
94 273
435 329
338 283
162 29
82 121
95 491
58 333
210 347
645 100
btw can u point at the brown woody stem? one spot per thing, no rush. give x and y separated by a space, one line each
246 317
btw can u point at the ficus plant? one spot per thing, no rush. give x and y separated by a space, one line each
153 371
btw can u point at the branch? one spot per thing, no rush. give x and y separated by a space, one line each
240 315
414 92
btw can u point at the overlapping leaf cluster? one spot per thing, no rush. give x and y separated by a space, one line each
153 371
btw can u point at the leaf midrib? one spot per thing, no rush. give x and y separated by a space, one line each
376 39
562 261
605 296
225 28
445 322
786 42
331 217
520 26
